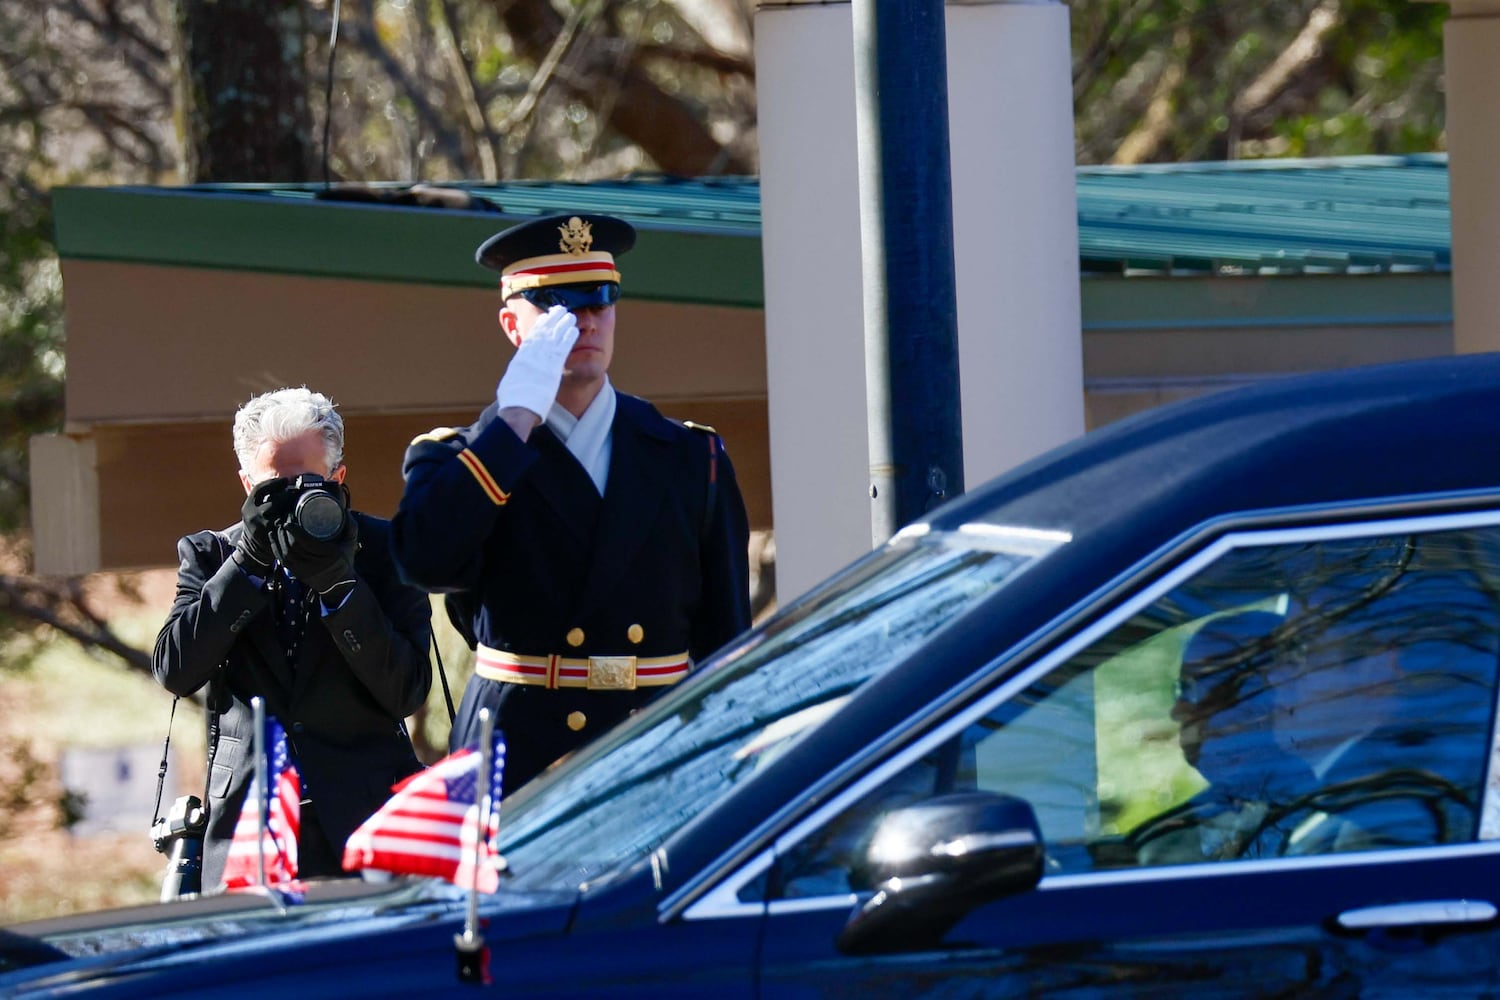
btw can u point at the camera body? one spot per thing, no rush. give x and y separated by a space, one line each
319 507
179 835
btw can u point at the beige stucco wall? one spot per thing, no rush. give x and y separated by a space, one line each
159 357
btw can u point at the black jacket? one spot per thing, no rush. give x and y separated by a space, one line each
361 670
655 567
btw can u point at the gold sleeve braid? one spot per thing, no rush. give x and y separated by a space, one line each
482 476
470 461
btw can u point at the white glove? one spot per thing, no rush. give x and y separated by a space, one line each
533 375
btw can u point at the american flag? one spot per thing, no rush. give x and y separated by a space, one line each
430 825
283 820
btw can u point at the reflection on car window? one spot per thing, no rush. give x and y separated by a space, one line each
622 796
1292 699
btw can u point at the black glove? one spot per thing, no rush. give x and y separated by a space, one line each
261 510
324 566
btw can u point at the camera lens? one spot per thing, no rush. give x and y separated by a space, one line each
320 515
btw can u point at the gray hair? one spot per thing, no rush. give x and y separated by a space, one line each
282 415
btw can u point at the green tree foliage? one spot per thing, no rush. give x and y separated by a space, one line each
1182 80
31 355
83 98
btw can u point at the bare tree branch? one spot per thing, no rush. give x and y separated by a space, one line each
63 607
624 54
547 68
112 25
664 127
1143 141
1106 45
1303 52
725 26
429 116
147 59
468 92
709 59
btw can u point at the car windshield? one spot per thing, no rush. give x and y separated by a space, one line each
624 795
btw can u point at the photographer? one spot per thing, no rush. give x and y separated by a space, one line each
300 604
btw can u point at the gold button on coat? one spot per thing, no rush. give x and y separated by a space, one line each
635 633
577 720
575 637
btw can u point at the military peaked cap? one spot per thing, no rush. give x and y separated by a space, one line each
557 250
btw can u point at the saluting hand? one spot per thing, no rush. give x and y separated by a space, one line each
533 376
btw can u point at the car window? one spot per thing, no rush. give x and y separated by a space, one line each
623 795
1306 697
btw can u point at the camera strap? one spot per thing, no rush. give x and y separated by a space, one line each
161 773
443 676
166 746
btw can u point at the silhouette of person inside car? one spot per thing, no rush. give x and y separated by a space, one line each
1297 726
1224 708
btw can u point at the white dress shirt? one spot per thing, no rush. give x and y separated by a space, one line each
588 437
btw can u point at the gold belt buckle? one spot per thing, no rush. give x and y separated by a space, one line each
611 673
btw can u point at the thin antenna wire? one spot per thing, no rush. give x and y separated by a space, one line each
262 787
333 47
486 803
469 946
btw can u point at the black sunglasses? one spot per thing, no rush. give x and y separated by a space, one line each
604 293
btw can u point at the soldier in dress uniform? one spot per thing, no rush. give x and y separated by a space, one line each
593 551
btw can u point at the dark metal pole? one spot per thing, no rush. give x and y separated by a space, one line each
906 236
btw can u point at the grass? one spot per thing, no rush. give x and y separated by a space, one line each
81 699
65 697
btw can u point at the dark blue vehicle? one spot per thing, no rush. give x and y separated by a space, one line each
1203 703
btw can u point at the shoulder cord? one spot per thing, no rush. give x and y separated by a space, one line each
713 485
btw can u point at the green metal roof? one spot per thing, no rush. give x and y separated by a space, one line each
700 238
1371 213
1355 214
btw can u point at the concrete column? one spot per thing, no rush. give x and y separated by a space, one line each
1015 243
815 362
1471 60
1015 231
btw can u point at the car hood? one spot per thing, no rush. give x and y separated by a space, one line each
120 947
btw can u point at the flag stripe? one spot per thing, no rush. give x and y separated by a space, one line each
283 820
430 824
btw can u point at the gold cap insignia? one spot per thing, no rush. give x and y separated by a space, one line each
577 237
577 720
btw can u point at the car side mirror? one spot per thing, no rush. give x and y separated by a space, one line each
933 862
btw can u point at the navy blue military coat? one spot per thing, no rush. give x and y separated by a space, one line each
538 564
360 671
